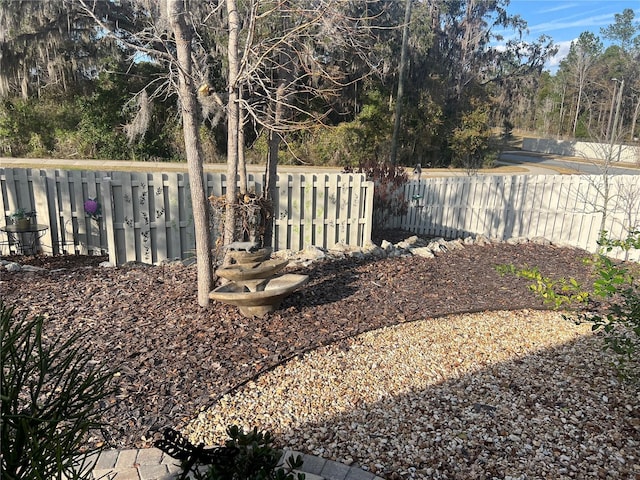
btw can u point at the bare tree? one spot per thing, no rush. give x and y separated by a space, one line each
582 56
289 57
233 120
177 51
191 125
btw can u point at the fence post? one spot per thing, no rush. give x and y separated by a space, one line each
369 187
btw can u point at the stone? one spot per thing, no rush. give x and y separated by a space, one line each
386 245
455 244
313 253
540 241
517 240
13 267
422 252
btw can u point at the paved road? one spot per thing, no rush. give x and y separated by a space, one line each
565 164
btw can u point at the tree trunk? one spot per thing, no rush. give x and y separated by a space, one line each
190 126
403 67
634 120
242 164
272 162
233 123
578 102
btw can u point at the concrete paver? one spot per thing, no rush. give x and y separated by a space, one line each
153 464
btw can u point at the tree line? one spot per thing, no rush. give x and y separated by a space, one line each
595 94
69 89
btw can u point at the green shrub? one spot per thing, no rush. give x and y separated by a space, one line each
256 458
245 456
616 285
469 142
621 321
51 393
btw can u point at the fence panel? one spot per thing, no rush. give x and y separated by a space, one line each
147 217
322 210
565 209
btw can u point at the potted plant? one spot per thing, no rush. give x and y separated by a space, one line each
22 218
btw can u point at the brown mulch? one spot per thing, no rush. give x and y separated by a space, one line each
175 358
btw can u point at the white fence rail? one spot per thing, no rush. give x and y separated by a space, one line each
566 209
147 217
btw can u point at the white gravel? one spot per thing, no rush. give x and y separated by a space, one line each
504 395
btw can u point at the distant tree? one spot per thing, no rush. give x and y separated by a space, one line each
401 76
625 31
52 44
470 140
582 56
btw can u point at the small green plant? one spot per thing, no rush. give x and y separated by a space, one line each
245 456
256 458
21 213
50 395
614 283
557 292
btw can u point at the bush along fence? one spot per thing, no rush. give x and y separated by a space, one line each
147 217
565 209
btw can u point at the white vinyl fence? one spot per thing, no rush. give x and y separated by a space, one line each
147 217
566 209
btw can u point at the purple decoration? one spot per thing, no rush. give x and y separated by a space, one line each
92 207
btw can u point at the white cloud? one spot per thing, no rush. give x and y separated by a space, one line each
565 6
573 22
563 50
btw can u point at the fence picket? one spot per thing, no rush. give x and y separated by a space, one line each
309 211
41 203
108 212
320 218
281 213
333 208
157 217
172 211
64 218
297 204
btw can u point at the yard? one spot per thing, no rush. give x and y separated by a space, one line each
510 392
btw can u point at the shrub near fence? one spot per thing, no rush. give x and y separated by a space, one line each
147 217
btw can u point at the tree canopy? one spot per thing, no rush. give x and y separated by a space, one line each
316 80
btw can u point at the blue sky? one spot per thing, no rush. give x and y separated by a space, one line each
564 21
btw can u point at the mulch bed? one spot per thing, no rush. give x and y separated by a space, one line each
175 358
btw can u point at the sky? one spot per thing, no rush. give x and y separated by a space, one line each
564 21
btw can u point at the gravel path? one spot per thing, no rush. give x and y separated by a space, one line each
515 395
